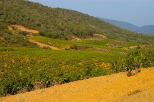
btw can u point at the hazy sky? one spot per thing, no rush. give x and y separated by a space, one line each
139 12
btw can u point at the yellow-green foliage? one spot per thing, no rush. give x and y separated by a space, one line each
23 68
67 44
138 58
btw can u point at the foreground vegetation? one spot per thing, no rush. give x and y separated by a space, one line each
136 59
26 69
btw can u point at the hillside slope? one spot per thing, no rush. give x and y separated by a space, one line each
111 88
61 23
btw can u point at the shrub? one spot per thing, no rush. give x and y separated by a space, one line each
135 59
119 65
138 58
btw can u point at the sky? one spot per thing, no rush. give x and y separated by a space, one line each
138 12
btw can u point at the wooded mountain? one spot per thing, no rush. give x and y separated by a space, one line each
61 23
148 29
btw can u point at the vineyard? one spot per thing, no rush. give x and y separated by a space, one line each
25 69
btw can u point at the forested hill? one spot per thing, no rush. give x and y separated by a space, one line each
60 23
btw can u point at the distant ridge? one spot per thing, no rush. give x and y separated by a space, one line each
147 29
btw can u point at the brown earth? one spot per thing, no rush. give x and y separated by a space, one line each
94 37
115 43
13 28
111 88
43 45
32 32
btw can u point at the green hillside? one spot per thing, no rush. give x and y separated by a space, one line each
60 23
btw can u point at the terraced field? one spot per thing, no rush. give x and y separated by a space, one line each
108 44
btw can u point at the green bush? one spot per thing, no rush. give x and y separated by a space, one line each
138 59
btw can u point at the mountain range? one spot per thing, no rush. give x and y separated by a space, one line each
147 29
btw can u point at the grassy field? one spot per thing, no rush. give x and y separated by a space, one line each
63 44
33 68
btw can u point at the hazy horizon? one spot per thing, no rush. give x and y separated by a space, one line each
138 12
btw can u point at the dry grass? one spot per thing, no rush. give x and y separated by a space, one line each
111 88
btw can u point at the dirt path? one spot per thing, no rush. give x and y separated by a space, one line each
33 32
111 88
43 45
22 28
